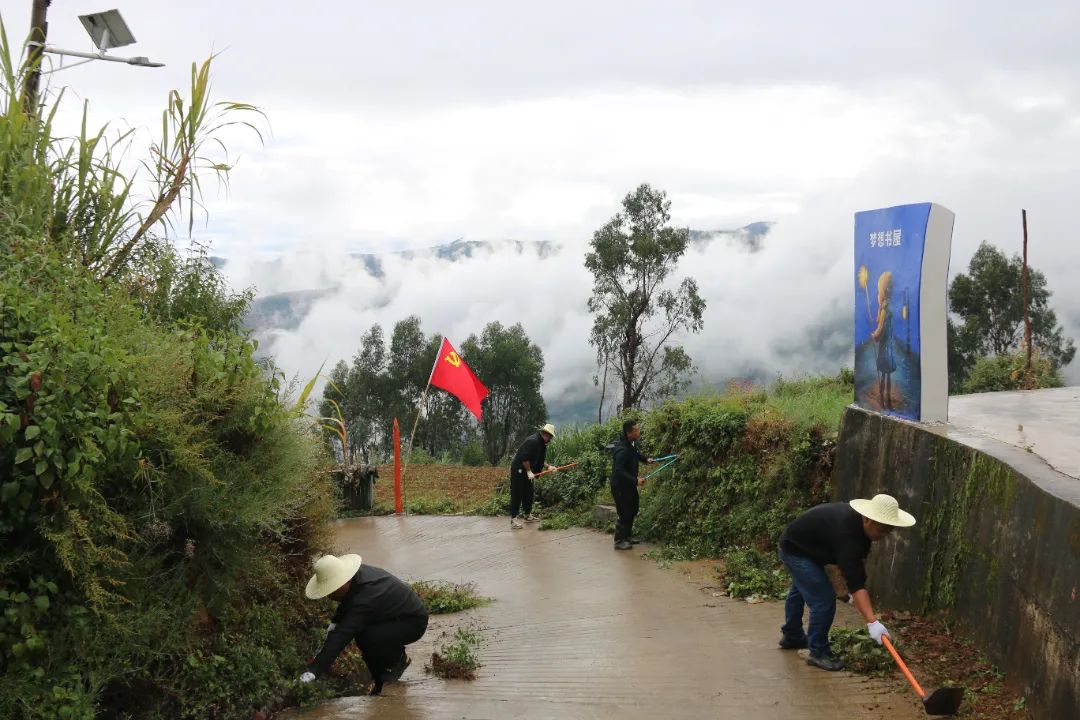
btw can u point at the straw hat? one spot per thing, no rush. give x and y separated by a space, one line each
885 510
330 574
549 429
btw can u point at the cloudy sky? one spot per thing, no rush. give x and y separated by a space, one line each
408 124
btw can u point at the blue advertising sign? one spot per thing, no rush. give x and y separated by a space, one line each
901 266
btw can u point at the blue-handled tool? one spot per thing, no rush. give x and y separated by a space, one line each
670 459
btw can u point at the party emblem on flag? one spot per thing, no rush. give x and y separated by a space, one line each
453 375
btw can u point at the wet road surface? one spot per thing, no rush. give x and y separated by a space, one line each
578 630
1043 422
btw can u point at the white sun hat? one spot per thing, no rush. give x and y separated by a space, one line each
885 510
330 574
549 429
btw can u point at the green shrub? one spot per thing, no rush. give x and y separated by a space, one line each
498 504
749 572
578 486
152 476
473 454
997 373
746 469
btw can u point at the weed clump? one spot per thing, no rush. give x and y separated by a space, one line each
859 651
456 657
441 597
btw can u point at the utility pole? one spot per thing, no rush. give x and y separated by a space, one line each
1027 294
39 29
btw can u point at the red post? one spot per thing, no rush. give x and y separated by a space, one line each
397 469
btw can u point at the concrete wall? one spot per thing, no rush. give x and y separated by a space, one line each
997 544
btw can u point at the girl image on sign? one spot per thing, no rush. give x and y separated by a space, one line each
883 335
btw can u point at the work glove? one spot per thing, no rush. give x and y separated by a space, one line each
329 628
877 631
307 677
549 466
531 474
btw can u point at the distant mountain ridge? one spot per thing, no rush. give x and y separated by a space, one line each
285 311
278 313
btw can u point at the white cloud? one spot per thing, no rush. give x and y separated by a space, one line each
416 123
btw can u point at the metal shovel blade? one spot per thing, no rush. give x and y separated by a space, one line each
943 701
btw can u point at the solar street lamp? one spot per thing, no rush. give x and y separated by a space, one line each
108 30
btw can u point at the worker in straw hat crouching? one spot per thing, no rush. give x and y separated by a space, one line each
530 459
832 534
376 610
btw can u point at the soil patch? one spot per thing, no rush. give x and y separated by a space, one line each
938 657
441 489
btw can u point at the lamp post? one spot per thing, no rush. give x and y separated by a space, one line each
107 30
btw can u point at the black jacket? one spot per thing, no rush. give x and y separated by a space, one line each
624 468
534 449
831 534
375 596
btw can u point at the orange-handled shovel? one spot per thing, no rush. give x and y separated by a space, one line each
561 467
943 701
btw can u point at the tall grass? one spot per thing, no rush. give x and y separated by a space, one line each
158 503
75 191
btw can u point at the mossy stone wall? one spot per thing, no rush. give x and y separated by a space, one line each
997 545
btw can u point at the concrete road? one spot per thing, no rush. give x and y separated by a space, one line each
578 630
1043 422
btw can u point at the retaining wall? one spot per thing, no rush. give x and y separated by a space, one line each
997 544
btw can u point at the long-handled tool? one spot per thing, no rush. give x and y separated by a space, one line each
669 458
943 701
561 467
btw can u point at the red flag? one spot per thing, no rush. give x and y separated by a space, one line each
454 376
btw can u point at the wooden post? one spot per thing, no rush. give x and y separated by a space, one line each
1027 294
398 500
39 29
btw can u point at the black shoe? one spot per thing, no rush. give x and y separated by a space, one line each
790 642
395 673
376 687
826 662
624 545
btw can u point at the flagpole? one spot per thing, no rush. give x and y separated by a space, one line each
416 423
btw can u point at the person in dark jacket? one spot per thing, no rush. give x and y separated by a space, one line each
376 610
832 534
530 459
625 483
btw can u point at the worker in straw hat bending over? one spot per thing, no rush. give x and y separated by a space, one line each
832 534
530 459
376 610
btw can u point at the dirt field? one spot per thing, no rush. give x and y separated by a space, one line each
442 489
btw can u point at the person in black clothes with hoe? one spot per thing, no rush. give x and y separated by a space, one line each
832 534
625 483
375 609
529 459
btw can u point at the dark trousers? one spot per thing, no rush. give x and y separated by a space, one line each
521 493
810 587
383 644
626 504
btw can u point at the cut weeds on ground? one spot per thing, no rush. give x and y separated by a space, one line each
456 656
938 658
